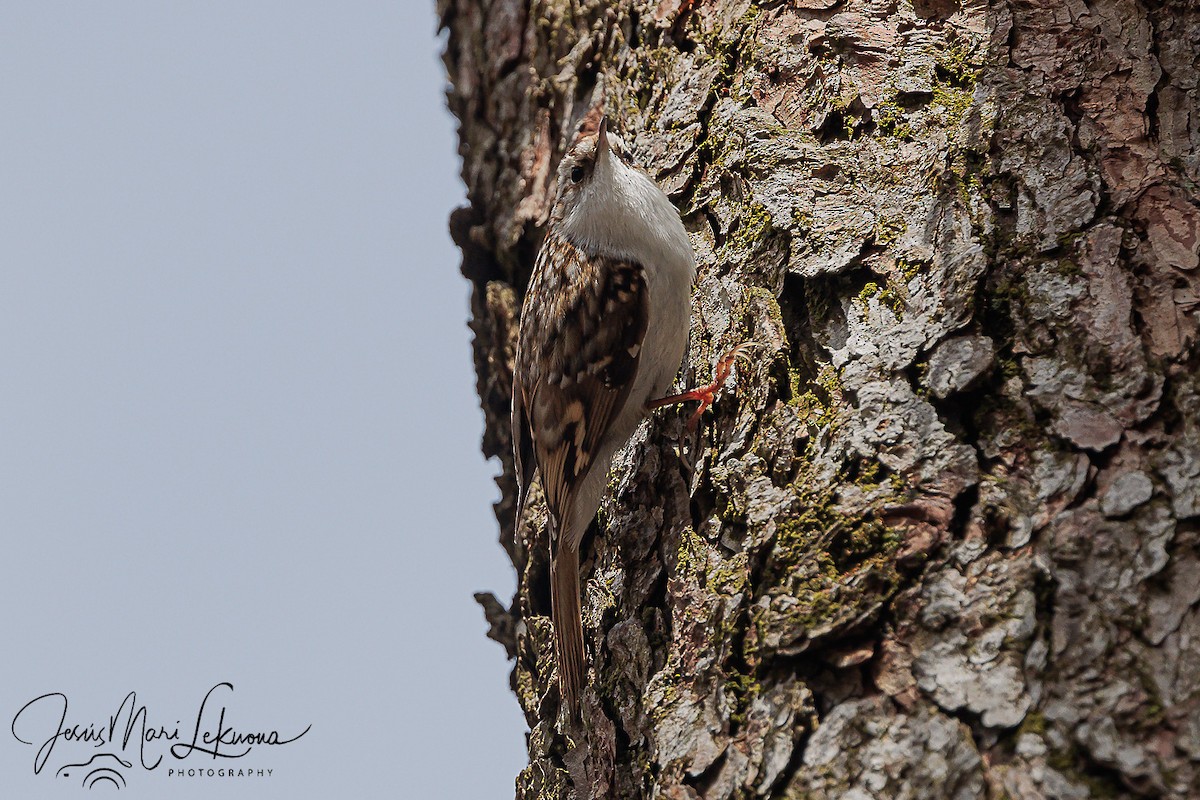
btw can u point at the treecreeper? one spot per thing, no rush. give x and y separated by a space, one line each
603 331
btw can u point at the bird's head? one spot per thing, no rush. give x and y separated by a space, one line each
603 198
594 168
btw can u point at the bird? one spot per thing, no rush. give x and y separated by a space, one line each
603 330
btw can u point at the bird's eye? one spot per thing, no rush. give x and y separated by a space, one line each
576 174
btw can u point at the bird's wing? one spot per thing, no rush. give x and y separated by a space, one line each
577 357
524 464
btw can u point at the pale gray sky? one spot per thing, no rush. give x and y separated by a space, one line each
238 427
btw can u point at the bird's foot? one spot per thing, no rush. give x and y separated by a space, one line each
706 394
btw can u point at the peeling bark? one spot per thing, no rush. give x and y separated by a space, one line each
940 539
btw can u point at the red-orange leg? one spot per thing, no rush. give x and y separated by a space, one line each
705 394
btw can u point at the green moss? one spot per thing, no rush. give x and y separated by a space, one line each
1034 722
741 690
796 538
971 184
818 401
910 269
868 291
607 598
525 689
730 576
671 681
922 369
826 601
641 74
761 297
692 556
1069 269
888 230
842 107
893 297
802 223
1010 368
890 121
713 145
954 101
758 624
890 296
796 386
754 223
870 473
830 380
827 541
835 566
955 66
725 631
729 46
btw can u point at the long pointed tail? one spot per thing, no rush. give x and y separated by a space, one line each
568 625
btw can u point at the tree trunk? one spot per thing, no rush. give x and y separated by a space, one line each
940 538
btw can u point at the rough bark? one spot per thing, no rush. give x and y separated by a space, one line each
941 538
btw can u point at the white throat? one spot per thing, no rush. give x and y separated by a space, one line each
623 214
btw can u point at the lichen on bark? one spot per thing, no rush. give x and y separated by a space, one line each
939 538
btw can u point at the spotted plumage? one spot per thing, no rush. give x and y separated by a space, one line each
577 365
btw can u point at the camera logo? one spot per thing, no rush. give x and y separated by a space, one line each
93 773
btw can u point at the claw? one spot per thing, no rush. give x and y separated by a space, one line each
707 394
740 350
